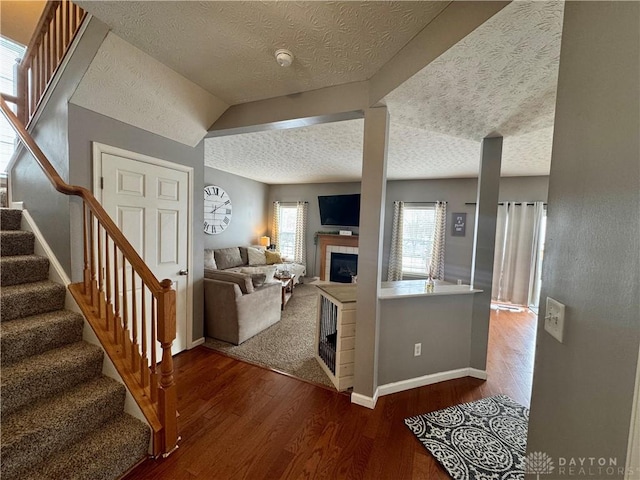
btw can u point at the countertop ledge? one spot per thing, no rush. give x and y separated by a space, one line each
417 288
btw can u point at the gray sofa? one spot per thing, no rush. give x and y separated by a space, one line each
238 306
239 259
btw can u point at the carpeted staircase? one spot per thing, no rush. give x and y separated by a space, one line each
61 418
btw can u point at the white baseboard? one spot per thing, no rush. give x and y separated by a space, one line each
401 386
42 248
410 383
475 373
363 400
196 343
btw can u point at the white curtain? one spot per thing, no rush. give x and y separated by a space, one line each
300 250
536 261
517 237
498 258
437 251
395 255
275 225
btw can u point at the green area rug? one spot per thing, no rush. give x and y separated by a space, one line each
287 346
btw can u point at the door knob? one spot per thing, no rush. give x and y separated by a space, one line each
183 272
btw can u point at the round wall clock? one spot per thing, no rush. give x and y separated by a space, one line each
217 210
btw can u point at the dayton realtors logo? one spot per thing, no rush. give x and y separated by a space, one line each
538 463
590 466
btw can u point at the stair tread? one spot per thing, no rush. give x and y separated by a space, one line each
18 301
19 269
33 321
48 373
16 242
53 413
29 287
27 258
15 233
39 333
53 359
10 218
105 454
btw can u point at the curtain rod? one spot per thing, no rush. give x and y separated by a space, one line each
420 203
515 203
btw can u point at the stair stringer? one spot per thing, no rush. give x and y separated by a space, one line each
58 274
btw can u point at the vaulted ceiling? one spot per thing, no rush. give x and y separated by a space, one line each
228 48
501 78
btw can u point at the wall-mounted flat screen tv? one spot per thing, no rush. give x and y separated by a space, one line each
340 210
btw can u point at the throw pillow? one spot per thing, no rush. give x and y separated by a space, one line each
241 279
258 279
209 259
272 257
268 271
256 257
244 255
228 257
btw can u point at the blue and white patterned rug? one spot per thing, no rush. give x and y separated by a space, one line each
482 440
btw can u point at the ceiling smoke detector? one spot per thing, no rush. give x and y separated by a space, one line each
284 57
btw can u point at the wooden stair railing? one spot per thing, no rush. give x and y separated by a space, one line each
131 312
58 25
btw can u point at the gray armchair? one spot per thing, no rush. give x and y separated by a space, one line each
235 311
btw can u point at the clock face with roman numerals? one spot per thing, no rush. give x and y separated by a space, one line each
217 210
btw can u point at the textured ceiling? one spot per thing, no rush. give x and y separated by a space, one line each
500 78
228 47
332 152
117 85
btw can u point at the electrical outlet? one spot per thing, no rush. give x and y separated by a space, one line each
417 350
554 319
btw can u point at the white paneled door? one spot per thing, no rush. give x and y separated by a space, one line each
149 203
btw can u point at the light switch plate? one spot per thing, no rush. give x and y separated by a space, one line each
554 319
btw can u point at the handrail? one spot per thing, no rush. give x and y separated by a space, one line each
104 299
61 186
9 98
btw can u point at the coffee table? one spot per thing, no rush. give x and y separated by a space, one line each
287 288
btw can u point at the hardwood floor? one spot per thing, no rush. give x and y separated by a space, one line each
240 421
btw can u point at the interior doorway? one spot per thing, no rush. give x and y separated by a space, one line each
150 201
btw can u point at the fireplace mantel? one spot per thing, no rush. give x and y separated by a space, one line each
325 240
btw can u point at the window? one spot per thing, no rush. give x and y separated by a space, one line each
418 230
9 52
287 234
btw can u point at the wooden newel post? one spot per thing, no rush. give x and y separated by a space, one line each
167 394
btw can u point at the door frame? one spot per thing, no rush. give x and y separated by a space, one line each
97 150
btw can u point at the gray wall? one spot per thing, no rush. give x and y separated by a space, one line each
456 192
583 389
85 127
250 205
49 208
309 193
441 323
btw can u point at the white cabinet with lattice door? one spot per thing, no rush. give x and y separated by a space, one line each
336 333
